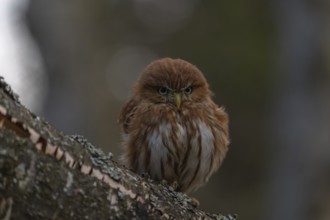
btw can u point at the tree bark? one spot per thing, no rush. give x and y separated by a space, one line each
45 174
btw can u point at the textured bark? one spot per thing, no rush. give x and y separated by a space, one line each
45 174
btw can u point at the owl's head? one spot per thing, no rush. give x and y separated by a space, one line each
172 81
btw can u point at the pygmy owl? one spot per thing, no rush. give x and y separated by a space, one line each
171 128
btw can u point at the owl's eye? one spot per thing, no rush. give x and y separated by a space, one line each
188 90
163 91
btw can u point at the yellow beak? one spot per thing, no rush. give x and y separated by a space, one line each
177 99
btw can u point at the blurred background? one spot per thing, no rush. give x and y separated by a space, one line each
268 63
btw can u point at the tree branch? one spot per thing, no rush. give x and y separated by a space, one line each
45 174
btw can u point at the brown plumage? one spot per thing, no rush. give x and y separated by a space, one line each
171 127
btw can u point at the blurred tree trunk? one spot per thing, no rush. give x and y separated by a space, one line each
73 38
300 114
45 174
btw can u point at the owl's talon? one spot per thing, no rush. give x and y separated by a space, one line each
194 202
175 185
145 175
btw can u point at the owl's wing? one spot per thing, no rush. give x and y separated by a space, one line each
222 117
126 114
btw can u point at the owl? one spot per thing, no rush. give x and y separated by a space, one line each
171 128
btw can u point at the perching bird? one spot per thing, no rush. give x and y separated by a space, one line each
171 128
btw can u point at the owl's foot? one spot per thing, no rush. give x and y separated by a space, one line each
175 185
194 202
145 175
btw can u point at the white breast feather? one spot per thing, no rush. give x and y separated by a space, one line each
207 146
158 151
